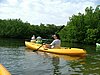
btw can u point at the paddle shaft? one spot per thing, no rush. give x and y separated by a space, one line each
60 29
38 48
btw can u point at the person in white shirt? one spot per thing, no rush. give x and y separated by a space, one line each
55 43
33 39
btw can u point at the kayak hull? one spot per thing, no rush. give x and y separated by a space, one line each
64 51
3 70
59 56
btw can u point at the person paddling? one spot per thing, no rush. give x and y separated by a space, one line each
55 43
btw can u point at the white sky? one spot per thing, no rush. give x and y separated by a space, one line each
43 11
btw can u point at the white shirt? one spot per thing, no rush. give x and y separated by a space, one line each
56 43
33 37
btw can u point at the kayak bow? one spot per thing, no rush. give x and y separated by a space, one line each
3 70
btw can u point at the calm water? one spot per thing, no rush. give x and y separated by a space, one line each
21 61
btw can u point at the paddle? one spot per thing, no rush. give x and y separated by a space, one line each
55 33
60 29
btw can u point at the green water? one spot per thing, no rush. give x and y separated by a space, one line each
21 61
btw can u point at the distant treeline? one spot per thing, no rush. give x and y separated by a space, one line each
15 28
83 28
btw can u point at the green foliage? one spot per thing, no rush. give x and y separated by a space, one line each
84 28
15 28
91 36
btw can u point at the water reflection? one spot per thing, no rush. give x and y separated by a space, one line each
55 62
21 61
9 42
61 64
74 65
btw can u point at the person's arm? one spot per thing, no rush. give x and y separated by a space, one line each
52 44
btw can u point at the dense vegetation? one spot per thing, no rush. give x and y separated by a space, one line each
83 28
15 28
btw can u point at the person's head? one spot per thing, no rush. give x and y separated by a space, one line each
33 36
38 38
56 36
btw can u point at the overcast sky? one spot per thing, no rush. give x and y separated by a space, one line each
43 11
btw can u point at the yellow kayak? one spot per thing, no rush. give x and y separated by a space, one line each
64 51
3 70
